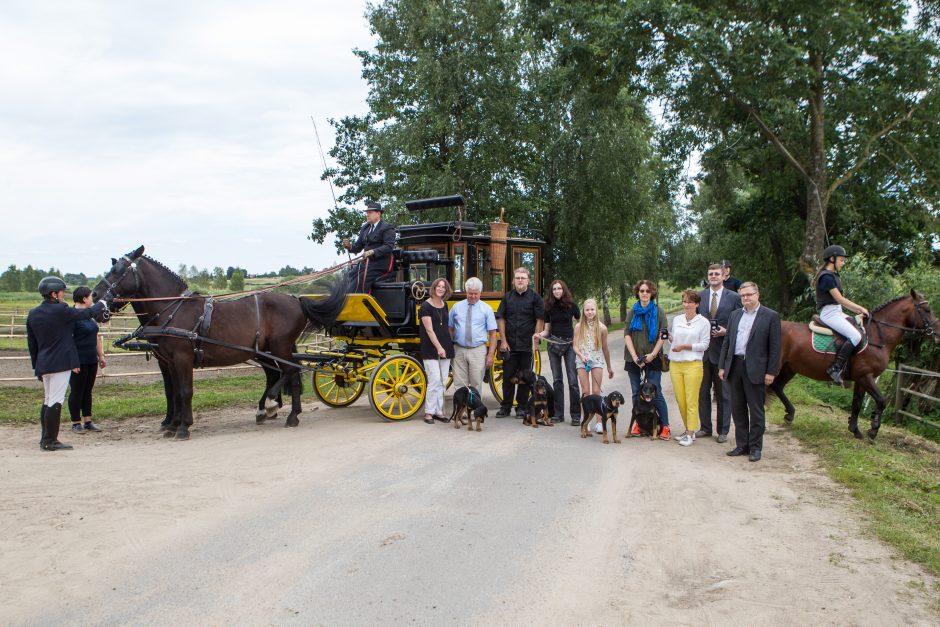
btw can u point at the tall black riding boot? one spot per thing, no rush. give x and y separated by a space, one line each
53 415
835 370
42 425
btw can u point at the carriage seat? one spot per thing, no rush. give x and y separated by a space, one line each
424 255
816 325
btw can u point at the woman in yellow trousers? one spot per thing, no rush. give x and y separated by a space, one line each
689 338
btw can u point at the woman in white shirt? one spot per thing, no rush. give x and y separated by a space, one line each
689 337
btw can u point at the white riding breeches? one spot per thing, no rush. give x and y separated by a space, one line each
55 384
834 318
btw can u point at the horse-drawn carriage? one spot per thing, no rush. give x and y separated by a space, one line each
375 342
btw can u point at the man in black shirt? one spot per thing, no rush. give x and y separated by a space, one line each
521 315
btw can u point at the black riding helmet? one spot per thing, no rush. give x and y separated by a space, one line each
50 285
834 251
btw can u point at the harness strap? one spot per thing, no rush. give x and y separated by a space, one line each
258 326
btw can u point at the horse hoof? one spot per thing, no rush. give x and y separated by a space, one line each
169 433
292 422
872 434
858 434
182 435
788 418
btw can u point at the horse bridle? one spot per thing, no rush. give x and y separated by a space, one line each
927 329
129 266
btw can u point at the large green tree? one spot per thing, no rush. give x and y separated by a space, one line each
464 98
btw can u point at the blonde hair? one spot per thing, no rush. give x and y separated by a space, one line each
581 329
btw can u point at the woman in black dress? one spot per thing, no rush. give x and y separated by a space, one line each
90 358
560 315
437 347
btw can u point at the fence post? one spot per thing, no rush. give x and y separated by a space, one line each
898 395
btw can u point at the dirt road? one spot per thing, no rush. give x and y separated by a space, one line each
350 520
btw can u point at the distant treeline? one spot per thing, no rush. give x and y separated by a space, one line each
27 279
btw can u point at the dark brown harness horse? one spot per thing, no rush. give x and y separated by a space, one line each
186 331
885 328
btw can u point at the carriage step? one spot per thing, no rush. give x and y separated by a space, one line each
312 357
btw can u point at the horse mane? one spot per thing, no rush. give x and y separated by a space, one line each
166 269
890 302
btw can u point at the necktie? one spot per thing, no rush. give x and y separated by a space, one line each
371 229
468 334
713 310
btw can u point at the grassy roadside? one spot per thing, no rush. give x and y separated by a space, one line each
114 401
895 481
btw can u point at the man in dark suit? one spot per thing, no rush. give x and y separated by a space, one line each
717 305
376 241
750 360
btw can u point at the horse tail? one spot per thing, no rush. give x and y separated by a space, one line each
322 312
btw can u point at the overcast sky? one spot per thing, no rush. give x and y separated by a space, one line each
184 126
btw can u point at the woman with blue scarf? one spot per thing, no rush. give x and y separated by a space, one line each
643 345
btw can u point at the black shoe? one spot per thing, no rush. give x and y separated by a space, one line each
736 452
90 426
755 455
57 446
722 438
521 415
502 413
576 421
442 418
557 419
702 433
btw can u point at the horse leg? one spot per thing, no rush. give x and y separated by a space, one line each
879 406
786 374
168 393
295 387
858 395
267 410
183 380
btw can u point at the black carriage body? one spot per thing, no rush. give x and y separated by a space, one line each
424 252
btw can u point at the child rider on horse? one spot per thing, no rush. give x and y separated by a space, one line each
829 302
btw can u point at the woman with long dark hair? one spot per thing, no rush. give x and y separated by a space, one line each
90 358
560 314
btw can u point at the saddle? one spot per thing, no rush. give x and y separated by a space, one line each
825 340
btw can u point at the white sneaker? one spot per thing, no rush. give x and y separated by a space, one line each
686 440
680 436
598 428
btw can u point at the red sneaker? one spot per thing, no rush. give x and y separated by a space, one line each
635 431
664 434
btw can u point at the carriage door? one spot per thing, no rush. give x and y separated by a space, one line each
460 266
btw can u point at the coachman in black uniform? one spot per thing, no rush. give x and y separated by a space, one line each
53 354
376 241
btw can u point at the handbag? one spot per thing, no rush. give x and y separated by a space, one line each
557 346
664 360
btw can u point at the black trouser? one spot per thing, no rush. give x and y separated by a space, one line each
711 382
363 274
747 408
81 384
513 362
570 371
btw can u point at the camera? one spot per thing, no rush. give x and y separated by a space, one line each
664 334
714 325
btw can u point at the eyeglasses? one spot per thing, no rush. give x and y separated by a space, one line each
644 291
748 295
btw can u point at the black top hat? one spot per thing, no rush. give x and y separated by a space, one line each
373 206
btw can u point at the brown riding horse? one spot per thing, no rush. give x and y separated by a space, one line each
187 331
885 327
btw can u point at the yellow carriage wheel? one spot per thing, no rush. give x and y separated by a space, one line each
338 388
398 387
496 374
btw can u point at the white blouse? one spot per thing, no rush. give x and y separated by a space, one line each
696 332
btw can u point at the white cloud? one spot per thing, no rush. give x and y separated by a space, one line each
183 126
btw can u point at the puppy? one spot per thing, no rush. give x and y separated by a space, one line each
605 408
644 412
468 401
541 405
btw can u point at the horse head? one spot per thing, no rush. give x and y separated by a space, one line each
921 318
121 281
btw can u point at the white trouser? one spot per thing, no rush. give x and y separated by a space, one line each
469 366
436 371
54 384
834 318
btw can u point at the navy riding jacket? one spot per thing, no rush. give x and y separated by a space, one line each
49 335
